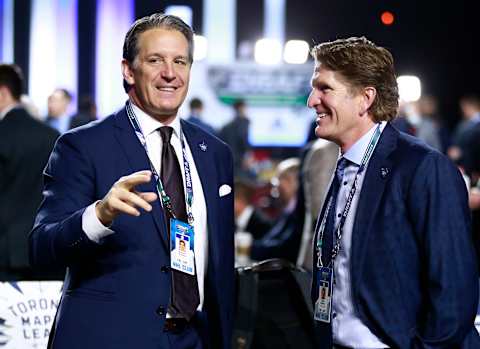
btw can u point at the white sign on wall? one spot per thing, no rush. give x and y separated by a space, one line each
27 311
276 99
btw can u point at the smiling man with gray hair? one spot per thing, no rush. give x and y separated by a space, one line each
124 196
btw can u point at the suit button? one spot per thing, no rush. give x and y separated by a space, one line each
165 269
160 310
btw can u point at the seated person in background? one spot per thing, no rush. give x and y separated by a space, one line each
248 218
283 239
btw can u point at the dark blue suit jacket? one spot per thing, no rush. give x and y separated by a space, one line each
413 266
116 293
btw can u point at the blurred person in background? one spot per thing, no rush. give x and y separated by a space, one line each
464 137
58 103
196 110
401 122
317 168
470 109
474 203
429 127
87 112
393 245
235 134
283 239
25 145
249 218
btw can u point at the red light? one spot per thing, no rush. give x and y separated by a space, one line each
387 18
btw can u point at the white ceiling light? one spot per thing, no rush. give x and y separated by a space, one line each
268 51
409 88
181 11
296 52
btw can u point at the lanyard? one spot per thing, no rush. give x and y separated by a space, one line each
366 157
166 201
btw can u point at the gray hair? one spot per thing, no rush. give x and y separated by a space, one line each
156 20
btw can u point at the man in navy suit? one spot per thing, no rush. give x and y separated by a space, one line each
25 145
393 249
111 217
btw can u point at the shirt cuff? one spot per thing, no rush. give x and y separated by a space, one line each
92 226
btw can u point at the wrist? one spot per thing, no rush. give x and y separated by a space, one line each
102 215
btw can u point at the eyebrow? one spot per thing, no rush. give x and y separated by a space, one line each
157 54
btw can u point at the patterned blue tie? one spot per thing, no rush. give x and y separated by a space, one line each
328 234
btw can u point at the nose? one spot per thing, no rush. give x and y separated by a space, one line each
313 99
168 71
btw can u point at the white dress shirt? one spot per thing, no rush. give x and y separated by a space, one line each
96 231
60 123
348 330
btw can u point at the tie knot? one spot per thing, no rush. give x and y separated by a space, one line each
341 165
166 133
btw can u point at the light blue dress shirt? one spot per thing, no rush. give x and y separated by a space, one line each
348 330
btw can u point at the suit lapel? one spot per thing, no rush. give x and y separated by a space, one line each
370 197
138 161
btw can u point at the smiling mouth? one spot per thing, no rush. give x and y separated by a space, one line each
321 115
166 89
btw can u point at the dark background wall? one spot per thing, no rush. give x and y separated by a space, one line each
437 41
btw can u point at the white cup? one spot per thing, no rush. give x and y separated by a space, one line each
243 245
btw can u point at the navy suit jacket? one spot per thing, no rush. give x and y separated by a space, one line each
413 267
116 293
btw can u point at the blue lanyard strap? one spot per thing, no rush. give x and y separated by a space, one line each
165 199
338 232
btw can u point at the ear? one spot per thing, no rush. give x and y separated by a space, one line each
367 96
127 72
4 92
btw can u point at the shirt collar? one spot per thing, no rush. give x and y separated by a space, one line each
149 125
476 117
358 149
5 111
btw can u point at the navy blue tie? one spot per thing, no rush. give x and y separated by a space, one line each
329 232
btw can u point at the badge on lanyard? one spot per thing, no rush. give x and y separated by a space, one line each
323 305
182 255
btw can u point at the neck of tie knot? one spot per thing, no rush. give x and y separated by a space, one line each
341 165
166 133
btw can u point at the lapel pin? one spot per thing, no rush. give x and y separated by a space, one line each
384 171
202 146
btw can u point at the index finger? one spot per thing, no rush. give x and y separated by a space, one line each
136 178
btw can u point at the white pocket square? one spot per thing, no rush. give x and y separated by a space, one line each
224 189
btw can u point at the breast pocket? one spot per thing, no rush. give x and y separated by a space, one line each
91 294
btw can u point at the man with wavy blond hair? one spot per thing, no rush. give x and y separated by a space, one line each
393 251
